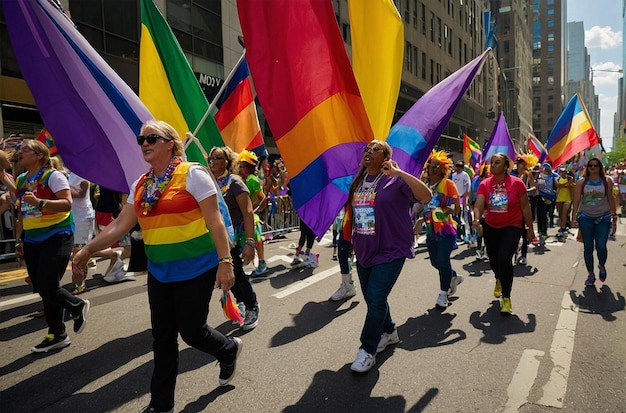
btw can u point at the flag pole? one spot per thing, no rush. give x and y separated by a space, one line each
214 101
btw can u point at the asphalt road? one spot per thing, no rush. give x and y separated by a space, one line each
563 349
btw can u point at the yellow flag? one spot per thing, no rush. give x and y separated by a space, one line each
377 52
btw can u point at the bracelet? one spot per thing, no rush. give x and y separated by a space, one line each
42 203
228 260
251 239
250 244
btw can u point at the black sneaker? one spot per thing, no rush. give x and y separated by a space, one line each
227 371
51 342
251 319
80 320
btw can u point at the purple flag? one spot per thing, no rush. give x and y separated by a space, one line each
93 115
499 142
417 132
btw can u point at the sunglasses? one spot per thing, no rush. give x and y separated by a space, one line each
373 149
215 158
151 139
21 148
593 165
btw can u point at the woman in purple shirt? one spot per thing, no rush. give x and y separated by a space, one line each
381 197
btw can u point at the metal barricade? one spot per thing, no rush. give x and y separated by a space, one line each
279 217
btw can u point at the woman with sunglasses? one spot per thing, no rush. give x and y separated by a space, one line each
441 227
503 199
236 194
188 249
45 221
593 210
379 204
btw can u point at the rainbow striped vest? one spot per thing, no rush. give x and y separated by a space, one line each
40 225
177 242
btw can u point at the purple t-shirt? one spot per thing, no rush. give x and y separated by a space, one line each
383 230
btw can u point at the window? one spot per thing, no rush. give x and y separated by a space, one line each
423 19
550 11
550 47
110 26
550 36
407 12
550 80
415 14
407 56
345 31
439 31
432 27
550 23
550 108
415 66
505 46
423 66
432 72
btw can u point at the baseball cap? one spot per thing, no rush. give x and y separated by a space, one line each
460 163
546 165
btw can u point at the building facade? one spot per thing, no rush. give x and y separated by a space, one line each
549 64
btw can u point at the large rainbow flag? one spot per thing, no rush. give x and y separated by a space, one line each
500 141
572 133
417 132
168 86
310 98
236 116
93 115
377 50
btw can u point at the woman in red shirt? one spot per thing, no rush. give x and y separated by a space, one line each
503 199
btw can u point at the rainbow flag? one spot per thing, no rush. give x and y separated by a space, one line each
572 133
310 98
415 135
168 86
93 115
472 152
536 147
236 117
45 137
500 141
377 50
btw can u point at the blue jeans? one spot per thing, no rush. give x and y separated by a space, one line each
594 231
376 284
439 250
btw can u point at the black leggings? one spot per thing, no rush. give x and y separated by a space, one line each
306 235
501 244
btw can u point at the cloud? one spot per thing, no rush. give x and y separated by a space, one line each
606 74
602 38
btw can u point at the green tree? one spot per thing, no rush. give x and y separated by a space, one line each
618 153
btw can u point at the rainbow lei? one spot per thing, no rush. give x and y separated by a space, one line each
153 187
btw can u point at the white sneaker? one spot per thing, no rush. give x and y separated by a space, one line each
119 276
521 260
387 339
312 261
344 291
456 280
117 266
479 255
364 361
442 300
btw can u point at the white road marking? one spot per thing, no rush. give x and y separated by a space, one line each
307 282
18 300
561 354
523 380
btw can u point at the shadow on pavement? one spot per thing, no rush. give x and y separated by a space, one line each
431 329
53 389
496 326
603 302
313 317
346 391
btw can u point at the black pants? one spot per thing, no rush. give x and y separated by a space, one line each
501 244
306 236
242 290
181 307
542 216
46 264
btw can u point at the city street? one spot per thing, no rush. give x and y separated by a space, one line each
562 350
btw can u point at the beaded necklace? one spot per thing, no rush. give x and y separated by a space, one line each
224 182
153 186
368 188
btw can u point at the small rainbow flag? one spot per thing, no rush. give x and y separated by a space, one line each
472 152
45 137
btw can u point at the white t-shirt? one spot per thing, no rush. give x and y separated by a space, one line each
199 184
81 207
462 181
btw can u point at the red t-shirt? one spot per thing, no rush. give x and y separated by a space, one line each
502 205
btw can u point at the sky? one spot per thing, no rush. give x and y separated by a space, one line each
602 20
